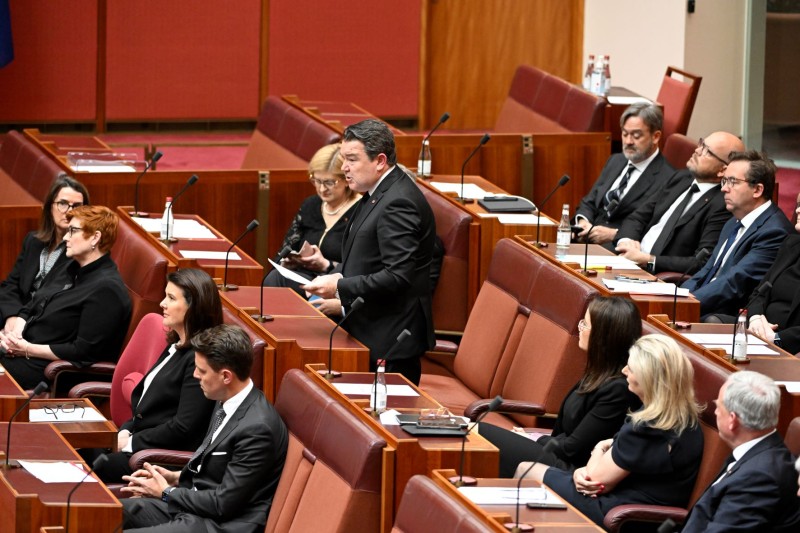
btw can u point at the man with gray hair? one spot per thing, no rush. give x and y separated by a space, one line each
756 489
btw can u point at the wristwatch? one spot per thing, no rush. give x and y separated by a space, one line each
165 494
651 264
777 340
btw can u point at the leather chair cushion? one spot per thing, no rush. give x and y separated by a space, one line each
426 507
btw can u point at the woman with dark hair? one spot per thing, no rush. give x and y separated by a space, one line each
169 408
595 407
42 250
81 313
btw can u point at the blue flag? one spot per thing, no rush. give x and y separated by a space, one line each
6 43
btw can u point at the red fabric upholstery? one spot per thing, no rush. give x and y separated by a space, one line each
792 439
678 149
27 165
678 98
257 372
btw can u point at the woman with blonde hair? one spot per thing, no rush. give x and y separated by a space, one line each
655 457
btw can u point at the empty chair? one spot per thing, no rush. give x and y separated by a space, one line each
678 98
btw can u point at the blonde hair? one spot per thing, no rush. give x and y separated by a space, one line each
326 159
666 378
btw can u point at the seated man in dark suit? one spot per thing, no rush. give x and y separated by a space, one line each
748 242
757 488
666 232
231 479
627 179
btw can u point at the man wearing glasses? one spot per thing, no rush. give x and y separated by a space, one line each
749 241
668 231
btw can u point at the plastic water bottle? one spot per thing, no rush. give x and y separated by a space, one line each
166 219
598 81
587 75
564 235
607 74
740 337
377 398
424 161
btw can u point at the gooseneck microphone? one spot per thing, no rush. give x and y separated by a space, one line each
516 526
459 480
261 317
40 388
153 160
484 140
700 257
191 181
99 462
330 373
561 182
444 118
225 287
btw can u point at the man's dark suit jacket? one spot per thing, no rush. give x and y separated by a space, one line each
759 493
239 471
698 228
650 181
745 267
788 256
386 259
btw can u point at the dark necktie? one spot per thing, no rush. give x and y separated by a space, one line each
617 193
721 256
676 215
197 458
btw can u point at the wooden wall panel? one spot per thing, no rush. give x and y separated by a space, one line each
473 46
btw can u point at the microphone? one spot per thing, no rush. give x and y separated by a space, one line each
261 317
40 388
459 480
561 182
444 118
225 287
516 527
153 160
400 340
484 140
700 257
191 181
330 373
99 462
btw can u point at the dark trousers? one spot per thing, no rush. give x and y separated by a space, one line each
27 372
410 367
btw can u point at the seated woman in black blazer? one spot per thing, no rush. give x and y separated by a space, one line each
596 406
42 251
169 408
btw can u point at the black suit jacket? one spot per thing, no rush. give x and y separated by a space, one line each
698 228
788 256
745 267
239 471
386 259
758 494
651 181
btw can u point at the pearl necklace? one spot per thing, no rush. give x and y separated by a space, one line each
335 211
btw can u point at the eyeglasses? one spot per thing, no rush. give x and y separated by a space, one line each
732 181
63 206
66 408
72 229
704 149
328 184
583 326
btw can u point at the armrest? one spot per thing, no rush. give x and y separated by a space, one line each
478 407
160 456
620 514
90 388
60 365
672 277
445 346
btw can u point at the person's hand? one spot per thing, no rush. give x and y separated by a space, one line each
760 326
586 225
323 286
331 307
632 250
604 445
150 482
602 235
122 438
14 324
315 262
14 345
584 485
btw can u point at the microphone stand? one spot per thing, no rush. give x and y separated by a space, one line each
586 272
701 257
40 388
136 212
444 118
484 140
261 317
191 181
459 480
561 182
330 374
225 287
516 526
100 461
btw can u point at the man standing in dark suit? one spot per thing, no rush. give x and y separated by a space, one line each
666 232
756 490
386 254
229 483
627 179
748 242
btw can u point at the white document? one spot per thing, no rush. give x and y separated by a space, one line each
389 417
288 274
365 389
627 100
792 387
720 338
508 495
758 349
57 415
614 261
470 189
56 472
523 218
208 254
652 287
90 167
182 228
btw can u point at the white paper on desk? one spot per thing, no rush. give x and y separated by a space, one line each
627 100
182 228
389 417
757 349
288 274
523 218
792 387
79 167
208 254
470 189
78 415
720 338
56 472
365 389
508 495
655 288
614 261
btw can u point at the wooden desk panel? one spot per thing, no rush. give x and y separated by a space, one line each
11 398
81 434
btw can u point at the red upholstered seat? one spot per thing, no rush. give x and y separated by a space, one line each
427 507
678 98
678 149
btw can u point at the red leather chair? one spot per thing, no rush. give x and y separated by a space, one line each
678 98
678 149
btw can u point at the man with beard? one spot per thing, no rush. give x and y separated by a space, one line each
667 232
628 179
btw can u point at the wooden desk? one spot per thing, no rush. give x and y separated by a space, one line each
543 520
414 455
28 504
11 397
81 434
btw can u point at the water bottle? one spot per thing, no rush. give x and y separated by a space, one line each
379 392
740 337
587 75
607 74
598 82
564 235
166 219
424 161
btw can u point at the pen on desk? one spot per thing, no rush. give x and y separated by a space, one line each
599 267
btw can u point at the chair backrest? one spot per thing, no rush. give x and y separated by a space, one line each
27 165
678 98
427 507
332 478
792 438
678 149
140 354
257 371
